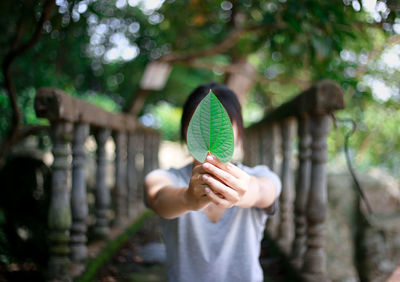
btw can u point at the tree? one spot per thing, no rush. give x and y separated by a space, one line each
100 48
17 48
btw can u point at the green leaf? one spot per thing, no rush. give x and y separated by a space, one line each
210 131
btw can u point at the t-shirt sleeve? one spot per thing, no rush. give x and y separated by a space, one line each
164 172
264 171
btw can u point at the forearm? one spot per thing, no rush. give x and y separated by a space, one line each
261 193
169 202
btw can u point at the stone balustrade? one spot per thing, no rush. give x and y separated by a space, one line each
299 226
136 152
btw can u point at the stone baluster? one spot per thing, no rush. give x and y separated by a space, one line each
148 152
286 198
59 220
140 163
121 192
276 153
152 151
246 148
147 156
79 205
273 154
131 174
265 143
250 150
314 266
302 188
155 150
103 199
254 148
257 147
270 143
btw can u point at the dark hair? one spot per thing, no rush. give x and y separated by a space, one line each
225 95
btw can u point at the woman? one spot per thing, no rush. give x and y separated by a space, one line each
213 213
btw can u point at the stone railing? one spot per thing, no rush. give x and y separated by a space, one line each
299 226
136 153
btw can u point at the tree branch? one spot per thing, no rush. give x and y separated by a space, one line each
187 57
20 49
15 51
221 47
234 69
18 32
375 54
136 104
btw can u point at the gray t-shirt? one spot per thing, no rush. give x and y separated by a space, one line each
228 250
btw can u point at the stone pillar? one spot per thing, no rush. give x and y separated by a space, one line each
120 176
265 143
302 188
276 154
59 220
147 157
79 203
250 147
257 154
147 148
270 141
286 199
131 174
155 150
140 168
273 160
246 145
103 199
314 266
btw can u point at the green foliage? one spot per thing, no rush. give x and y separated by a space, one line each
5 114
291 44
210 131
252 112
26 103
376 140
165 117
105 102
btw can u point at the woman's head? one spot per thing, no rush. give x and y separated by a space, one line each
227 98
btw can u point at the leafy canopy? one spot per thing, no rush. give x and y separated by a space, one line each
99 48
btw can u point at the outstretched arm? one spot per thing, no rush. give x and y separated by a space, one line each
223 184
169 201
229 185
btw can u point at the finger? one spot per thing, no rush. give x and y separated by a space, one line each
222 175
217 200
219 188
212 159
229 167
198 169
197 174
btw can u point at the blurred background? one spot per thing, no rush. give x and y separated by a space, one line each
98 50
